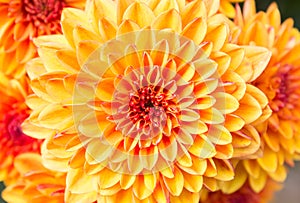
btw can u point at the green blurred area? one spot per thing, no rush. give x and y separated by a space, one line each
288 8
1 188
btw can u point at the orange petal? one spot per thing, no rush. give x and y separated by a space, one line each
175 185
195 30
140 13
170 19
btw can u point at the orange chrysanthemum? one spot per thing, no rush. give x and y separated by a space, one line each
244 194
13 111
280 82
22 20
145 100
36 183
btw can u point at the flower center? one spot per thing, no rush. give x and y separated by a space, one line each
43 11
15 139
286 87
44 14
149 105
14 126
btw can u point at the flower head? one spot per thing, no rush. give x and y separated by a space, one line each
14 111
22 20
142 100
279 81
36 183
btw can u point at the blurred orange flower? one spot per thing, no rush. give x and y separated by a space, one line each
245 194
13 111
22 20
141 101
36 183
280 82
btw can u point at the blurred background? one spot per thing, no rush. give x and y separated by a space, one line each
291 192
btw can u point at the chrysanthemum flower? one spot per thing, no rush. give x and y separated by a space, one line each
244 194
13 111
22 20
36 183
145 101
280 83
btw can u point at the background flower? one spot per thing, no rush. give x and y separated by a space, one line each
21 21
13 112
36 183
279 83
244 194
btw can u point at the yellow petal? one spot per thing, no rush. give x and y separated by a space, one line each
212 116
160 195
127 181
280 174
219 135
259 58
98 151
139 188
150 181
210 183
29 162
96 10
195 30
108 178
257 184
77 160
80 34
127 26
223 61
193 10
234 185
186 196
252 167
202 147
249 109
269 160
51 62
236 54
68 58
69 20
227 8
105 89
235 86
165 5
225 170
225 103
233 122
34 131
168 149
140 13
192 183
175 185
216 34
85 49
55 117
78 182
170 19
107 29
